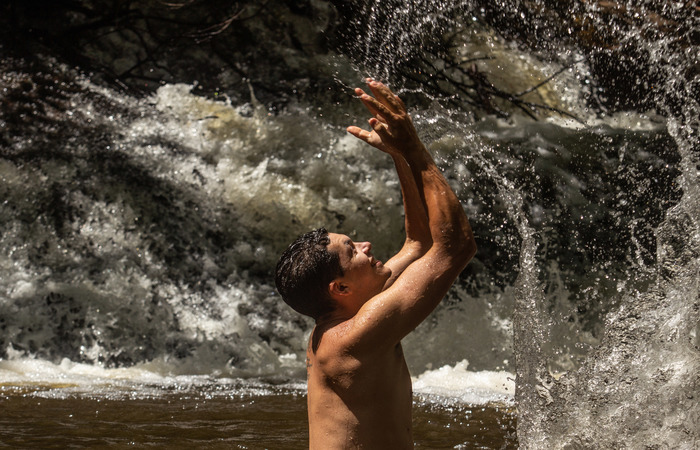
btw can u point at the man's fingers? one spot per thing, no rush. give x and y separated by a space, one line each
378 105
359 133
380 128
384 94
377 125
367 136
400 102
375 107
388 111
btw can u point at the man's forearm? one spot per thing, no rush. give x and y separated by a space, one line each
392 131
418 238
448 224
416 217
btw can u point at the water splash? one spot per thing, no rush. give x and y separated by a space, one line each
606 303
143 231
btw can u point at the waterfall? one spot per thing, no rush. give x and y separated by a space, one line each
141 231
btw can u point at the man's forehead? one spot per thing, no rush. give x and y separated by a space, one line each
339 238
340 244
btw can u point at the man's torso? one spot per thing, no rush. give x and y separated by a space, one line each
358 400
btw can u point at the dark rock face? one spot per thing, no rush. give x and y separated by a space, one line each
225 47
278 48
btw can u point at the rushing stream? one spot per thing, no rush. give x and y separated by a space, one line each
139 235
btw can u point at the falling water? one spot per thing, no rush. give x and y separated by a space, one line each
605 333
139 234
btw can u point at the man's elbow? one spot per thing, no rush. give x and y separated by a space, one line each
460 250
466 250
472 249
457 245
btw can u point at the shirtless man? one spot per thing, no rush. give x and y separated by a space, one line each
359 387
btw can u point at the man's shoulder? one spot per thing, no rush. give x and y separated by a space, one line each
335 345
326 361
358 336
330 339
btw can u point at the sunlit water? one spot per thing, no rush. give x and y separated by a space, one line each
139 235
47 405
142 289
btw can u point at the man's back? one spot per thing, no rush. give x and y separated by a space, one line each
365 399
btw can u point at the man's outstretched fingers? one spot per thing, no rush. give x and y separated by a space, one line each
377 108
358 132
384 104
384 94
379 127
367 100
372 139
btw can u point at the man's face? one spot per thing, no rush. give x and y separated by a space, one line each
360 268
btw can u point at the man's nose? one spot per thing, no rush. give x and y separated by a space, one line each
366 247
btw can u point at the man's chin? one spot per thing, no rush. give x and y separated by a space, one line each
387 271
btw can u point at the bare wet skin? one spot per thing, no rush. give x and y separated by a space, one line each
38 417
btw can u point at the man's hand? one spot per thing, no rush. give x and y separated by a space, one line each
392 129
439 241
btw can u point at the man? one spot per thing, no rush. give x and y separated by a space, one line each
359 387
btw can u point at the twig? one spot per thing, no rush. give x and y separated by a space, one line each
549 78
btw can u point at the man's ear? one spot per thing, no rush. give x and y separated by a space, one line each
338 288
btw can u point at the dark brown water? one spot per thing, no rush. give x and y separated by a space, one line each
56 417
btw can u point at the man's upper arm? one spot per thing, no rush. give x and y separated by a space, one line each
389 316
411 251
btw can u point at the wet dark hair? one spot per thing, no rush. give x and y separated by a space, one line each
304 271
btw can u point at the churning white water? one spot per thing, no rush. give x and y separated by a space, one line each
102 302
139 236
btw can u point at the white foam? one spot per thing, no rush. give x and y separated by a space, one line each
448 384
456 383
32 372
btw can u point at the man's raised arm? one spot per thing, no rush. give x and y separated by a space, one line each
418 236
425 281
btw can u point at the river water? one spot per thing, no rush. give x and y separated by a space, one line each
139 235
